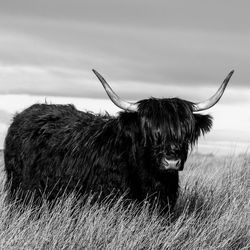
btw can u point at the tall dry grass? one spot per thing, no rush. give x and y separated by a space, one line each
212 213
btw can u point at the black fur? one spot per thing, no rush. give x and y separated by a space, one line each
53 148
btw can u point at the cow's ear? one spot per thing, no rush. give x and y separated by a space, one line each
203 124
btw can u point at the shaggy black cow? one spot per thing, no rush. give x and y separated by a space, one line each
52 149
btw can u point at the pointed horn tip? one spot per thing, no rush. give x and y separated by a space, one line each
99 76
228 77
231 72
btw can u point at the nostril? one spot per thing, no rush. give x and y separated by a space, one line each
166 161
178 163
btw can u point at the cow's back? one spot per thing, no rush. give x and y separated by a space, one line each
46 148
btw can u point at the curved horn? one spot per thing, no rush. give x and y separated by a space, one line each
128 106
213 99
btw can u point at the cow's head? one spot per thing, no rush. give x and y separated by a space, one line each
169 126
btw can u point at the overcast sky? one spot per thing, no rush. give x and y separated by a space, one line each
143 48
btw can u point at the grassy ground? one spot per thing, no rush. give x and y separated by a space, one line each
212 213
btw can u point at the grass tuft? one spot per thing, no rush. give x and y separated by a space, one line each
212 212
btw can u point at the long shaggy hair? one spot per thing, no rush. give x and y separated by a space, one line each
52 149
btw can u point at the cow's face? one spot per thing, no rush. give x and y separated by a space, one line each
169 128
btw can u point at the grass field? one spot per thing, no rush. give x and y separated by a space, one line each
213 212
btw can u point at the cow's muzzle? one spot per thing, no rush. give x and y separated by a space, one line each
171 164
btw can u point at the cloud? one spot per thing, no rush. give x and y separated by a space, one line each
5 117
53 81
225 14
159 54
42 68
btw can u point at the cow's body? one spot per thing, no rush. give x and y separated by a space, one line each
53 149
